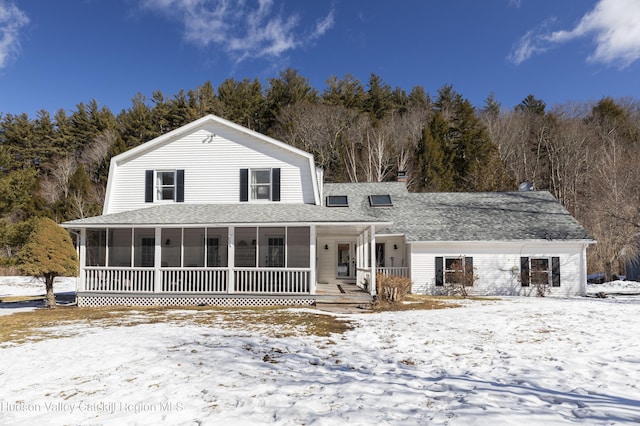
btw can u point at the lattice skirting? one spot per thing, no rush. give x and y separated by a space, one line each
191 300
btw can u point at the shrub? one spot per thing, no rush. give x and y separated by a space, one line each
392 288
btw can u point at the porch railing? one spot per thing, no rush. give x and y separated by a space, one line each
193 280
272 280
394 270
198 280
134 280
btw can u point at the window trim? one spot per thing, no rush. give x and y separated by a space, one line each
442 271
247 185
553 271
158 187
252 185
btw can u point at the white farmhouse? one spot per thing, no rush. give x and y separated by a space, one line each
214 213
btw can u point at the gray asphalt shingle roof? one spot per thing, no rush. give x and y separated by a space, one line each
187 214
488 216
464 216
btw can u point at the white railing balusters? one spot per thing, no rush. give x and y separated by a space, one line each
394 270
198 280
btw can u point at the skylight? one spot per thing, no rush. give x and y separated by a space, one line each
380 200
337 201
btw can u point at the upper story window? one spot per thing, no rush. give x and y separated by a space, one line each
260 184
337 201
380 200
164 185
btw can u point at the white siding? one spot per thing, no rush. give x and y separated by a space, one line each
497 266
211 158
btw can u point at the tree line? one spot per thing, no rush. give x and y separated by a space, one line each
583 153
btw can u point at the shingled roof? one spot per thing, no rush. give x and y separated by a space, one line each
210 214
463 216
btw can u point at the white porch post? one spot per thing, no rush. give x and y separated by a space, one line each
312 259
231 260
157 285
82 259
365 257
372 258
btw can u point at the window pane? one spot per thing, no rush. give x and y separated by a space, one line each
245 246
217 247
298 247
271 247
337 201
171 245
167 193
193 247
540 271
144 249
120 247
380 200
261 176
166 178
96 247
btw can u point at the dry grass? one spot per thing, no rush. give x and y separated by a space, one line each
414 302
42 324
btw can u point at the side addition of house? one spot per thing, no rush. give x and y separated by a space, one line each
214 213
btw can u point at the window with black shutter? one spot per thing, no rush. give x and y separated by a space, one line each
260 184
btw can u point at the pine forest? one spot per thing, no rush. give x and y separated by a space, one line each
585 153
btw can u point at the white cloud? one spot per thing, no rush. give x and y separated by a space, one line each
614 26
244 29
12 20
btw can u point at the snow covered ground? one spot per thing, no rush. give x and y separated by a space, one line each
30 286
524 361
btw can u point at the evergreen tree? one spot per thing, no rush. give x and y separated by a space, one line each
531 105
242 102
379 100
436 157
347 92
48 253
288 89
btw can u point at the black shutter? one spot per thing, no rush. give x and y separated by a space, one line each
468 268
555 271
148 186
439 272
244 184
180 186
524 271
275 184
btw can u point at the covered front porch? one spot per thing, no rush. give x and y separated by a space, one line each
213 264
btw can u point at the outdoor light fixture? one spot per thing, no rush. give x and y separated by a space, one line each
326 246
395 247
168 242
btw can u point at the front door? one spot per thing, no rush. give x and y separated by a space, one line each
346 262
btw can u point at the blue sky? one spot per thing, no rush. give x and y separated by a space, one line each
55 54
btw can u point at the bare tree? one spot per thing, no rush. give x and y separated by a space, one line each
55 184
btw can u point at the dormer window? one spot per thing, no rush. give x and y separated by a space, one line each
337 201
380 200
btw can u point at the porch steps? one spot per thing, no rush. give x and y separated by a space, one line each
338 297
